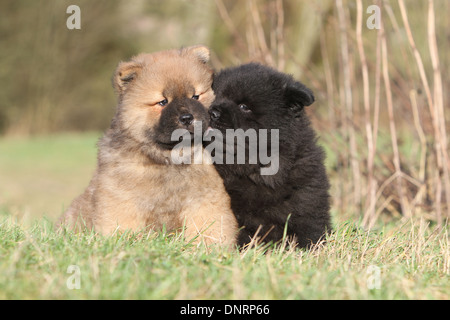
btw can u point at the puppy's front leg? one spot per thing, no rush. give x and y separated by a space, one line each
210 224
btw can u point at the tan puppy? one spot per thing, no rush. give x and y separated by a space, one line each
136 184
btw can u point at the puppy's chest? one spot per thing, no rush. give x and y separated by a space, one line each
245 193
156 188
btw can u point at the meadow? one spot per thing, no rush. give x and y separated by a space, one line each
404 262
403 259
381 113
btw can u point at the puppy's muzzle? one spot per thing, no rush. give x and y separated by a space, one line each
214 114
186 119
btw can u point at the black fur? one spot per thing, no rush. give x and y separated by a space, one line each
299 189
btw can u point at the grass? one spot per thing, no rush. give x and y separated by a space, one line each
412 262
401 260
41 175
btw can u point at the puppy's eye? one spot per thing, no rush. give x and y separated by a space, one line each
196 96
244 108
162 103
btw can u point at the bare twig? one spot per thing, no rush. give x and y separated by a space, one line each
260 33
422 138
439 104
349 103
229 23
392 126
280 35
436 111
328 79
416 52
370 204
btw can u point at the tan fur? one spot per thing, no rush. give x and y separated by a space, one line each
135 185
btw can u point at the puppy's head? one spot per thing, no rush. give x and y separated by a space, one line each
161 92
258 97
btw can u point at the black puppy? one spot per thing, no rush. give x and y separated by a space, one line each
295 194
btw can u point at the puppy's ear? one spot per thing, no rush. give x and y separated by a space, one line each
202 53
297 96
125 75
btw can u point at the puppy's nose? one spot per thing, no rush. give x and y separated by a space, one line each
214 114
186 119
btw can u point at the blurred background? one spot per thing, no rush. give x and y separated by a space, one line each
382 95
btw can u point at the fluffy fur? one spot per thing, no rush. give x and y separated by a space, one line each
136 185
259 97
